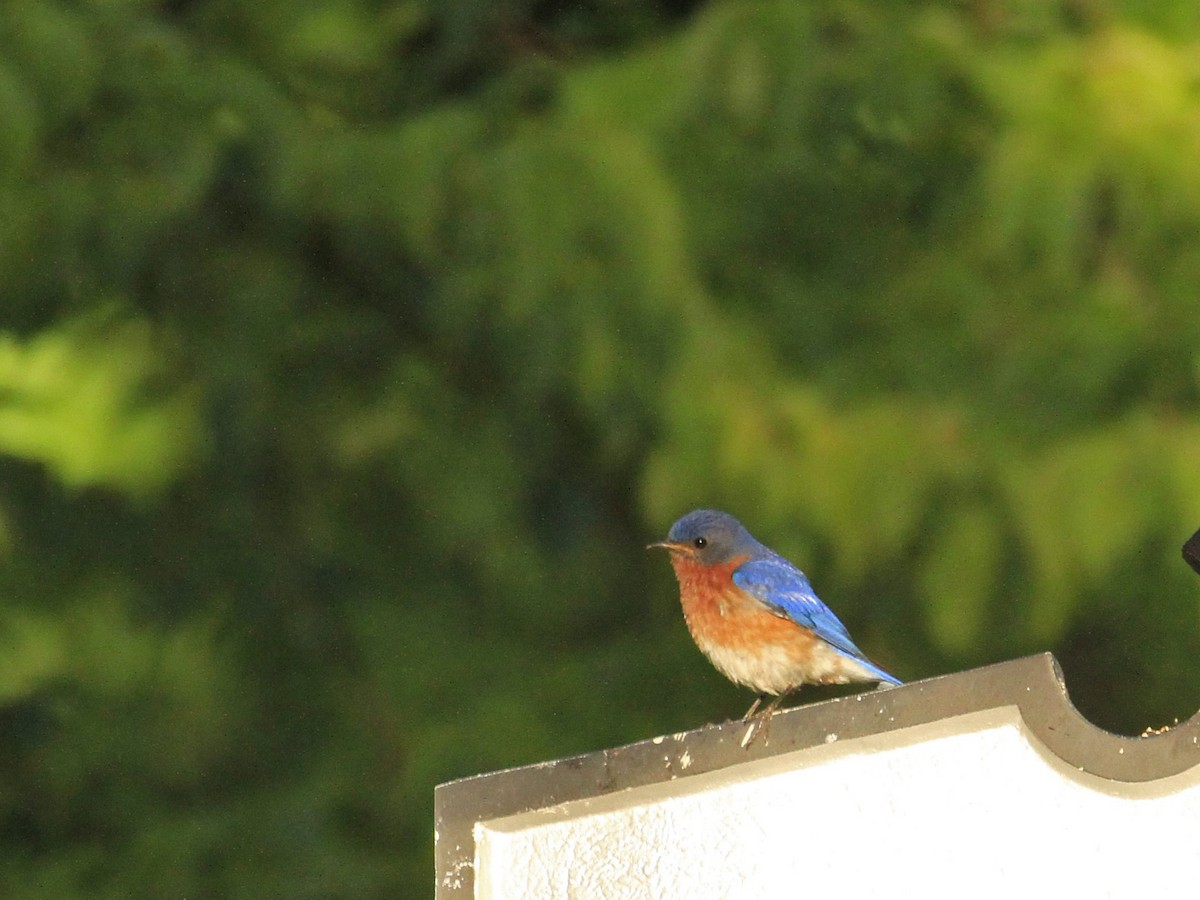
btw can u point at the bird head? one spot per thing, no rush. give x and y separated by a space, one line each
709 537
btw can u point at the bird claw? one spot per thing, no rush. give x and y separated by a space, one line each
757 725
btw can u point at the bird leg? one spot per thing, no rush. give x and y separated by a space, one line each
760 723
753 706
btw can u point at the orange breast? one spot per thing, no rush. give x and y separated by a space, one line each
716 608
747 642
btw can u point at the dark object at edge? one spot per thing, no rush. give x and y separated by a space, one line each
1191 551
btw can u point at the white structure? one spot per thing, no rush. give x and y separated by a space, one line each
981 784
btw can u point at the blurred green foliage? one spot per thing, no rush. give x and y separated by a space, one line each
351 350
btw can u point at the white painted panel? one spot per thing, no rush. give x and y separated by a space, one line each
968 807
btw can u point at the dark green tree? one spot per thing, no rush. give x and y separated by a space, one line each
350 353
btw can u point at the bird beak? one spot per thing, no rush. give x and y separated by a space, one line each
673 547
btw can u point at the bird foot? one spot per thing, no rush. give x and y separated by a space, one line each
760 722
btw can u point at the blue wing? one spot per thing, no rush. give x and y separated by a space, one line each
785 590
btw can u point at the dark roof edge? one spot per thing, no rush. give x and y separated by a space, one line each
1033 684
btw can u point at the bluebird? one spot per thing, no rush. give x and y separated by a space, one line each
755 616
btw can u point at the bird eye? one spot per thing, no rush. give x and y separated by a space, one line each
700 543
